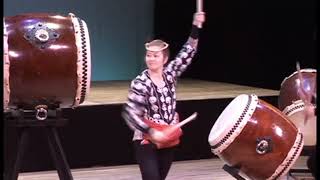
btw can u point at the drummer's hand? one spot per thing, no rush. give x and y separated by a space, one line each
158 136
198 19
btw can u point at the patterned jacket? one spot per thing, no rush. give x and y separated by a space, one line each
146 100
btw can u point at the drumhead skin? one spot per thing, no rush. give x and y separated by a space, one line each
296 114
47 61
249 124
233 119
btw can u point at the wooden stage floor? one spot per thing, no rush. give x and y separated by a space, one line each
115 92
206 169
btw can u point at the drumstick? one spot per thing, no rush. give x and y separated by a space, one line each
305 96
301 92
199 9
188 119
173 128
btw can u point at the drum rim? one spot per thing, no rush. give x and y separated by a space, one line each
83 59
6 67
86 87
291 157
305 70
295 107
233 132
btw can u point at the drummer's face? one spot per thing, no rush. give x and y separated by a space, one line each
155 60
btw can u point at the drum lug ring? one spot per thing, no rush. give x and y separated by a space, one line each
41 36
41 112
264 145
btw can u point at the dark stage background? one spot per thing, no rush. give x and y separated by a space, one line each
254 43
246 42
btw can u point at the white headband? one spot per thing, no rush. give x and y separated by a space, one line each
156 45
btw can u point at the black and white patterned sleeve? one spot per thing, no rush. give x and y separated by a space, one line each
180 63
134 109
184 58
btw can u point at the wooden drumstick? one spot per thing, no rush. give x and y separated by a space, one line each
188 119
305 96
199 9
301 92
173 128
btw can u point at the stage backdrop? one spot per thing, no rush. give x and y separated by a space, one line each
245 42
118 30
255 43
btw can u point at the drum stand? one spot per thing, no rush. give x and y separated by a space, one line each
233 171
24 121
306 151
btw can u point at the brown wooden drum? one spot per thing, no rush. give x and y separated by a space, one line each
256 138
293 106
47 61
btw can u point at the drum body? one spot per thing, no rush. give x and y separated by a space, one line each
174 138
256 138
47 61
291 104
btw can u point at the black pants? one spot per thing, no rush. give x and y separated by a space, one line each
311 162
154 163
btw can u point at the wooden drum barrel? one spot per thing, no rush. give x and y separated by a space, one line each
256 138
47 61
292 105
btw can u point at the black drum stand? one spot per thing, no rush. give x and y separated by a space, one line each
25 121
310 152
233 171
307 151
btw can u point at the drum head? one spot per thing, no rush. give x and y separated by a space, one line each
231 121
296 114
308 128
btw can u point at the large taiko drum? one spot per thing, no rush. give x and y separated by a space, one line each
256 138
293 106
47 61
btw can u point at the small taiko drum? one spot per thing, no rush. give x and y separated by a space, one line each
256 138
173 139
47 61
293 106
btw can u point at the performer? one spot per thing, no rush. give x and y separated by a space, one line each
311 111
309 98
152 96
